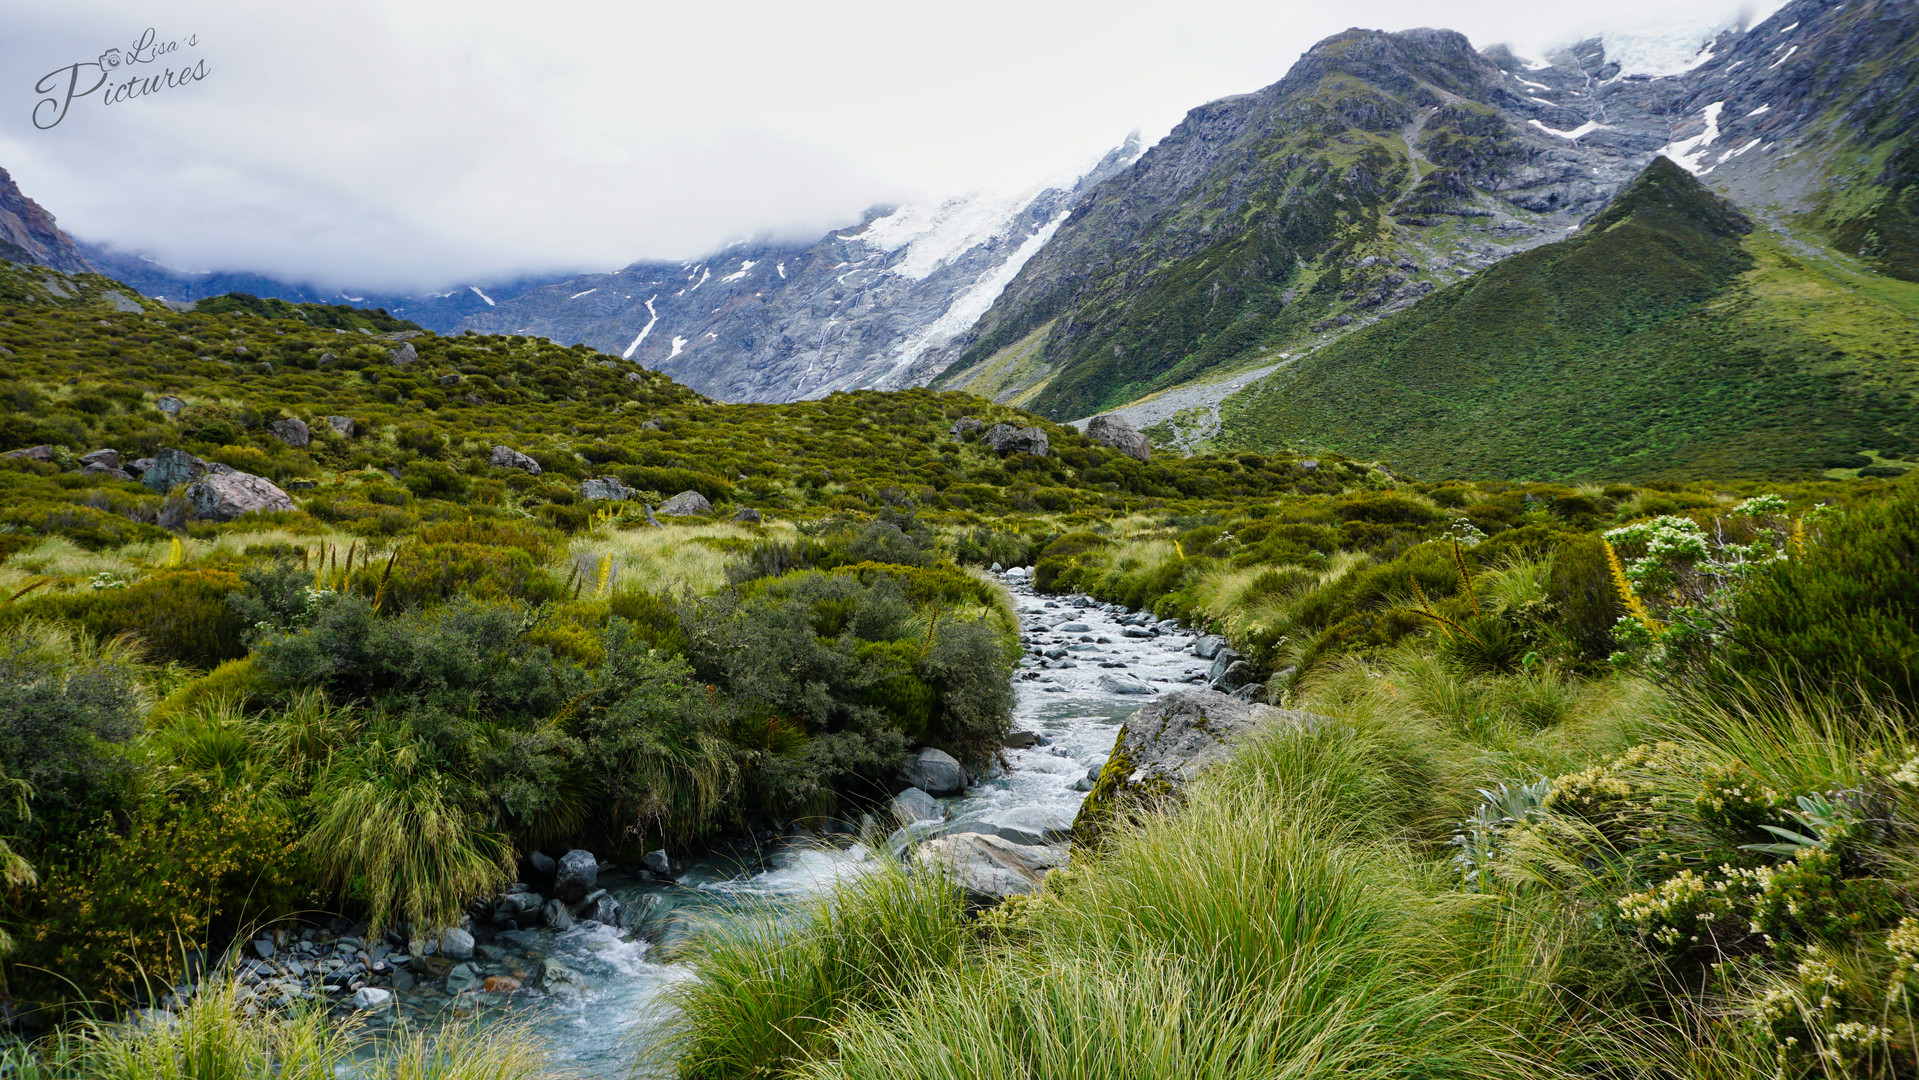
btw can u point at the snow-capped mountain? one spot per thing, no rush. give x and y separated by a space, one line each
873 306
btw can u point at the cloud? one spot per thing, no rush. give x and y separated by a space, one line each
406 145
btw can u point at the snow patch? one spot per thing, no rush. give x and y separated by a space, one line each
781 267
1730 154
745 265
1669 46
1528 82
1789 29
588 292
679 346
1784 58
1575 134
925 238
1689 154
1759 110
644 330
483 296
704 274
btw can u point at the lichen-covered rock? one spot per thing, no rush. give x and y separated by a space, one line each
169 405
100 461
1007 439
341 425
686 504
965 426
990 868
606 487
172 468
31 453
1111 431
1164 745
405 354
226 496
292 432
747 515
505 457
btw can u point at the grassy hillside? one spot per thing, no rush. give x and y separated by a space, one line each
1665 339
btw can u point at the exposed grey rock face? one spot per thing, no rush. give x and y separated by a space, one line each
104 460
342 426
169 405
1123 683
1007 439
868 306
228 495
405 354
748 515
606 487
29 235
1208 647
987 867
31 453
505 457
1112 431
964 426
290 431
686 504
934 772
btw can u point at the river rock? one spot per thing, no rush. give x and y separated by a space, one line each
915 805
1164 745
934 772
1223 659
557 915
543 865
1022 740
291 431
602 908
505 457
1122 683
1007 439
579 872
560 979
226 496
1028 826
500 984
606 487
686 504
1208 647
988 867
1237 674
371 998
456 944
1110 430
660 864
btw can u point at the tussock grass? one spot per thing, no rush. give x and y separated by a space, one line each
662 561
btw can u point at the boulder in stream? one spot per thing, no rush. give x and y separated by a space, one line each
578 873
988 867
915 805
933 771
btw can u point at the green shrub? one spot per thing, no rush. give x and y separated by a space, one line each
1845 609
178 615
423 574
64 702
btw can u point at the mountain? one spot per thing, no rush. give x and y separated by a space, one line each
1386 165
1667 339
29 235
440 312
871 306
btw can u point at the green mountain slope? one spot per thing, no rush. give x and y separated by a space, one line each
1665 339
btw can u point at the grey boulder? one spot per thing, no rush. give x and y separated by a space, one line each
1208 647
226 496
171 468
1111 431
988 867
965 426
915 805
606 487
505 457
101 461
341 425
456 944
405 354
292 432
1124 684
1007 439
169 405
1028 826
578 873
748 515
686 504
933 771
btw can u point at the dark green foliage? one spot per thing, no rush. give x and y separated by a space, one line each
61 711
330 316
1846 610
181 615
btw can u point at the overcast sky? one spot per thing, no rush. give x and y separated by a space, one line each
409 144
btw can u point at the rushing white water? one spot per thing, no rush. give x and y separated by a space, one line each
596 993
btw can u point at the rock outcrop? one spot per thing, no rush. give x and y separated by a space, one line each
28 233
1109 430
686 504
989 868
505 457
606 487
1007 439
292 432
228 495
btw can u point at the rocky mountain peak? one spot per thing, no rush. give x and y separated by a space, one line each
28 233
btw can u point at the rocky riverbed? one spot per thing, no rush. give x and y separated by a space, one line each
585 951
